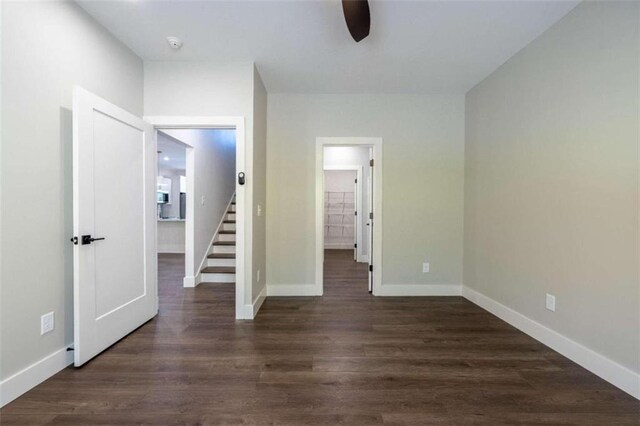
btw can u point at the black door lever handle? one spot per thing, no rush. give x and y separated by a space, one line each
86 239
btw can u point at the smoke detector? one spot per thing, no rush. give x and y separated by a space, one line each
174 42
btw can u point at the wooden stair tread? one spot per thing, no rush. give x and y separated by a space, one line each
219 270
224 243
226 232
222 256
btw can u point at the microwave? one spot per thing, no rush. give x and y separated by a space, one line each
162 197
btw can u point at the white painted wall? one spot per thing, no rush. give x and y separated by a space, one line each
339 180
171 236
347 156
47 47
551 185
423 153
214 179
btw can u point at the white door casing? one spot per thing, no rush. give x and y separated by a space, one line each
375 249
114 186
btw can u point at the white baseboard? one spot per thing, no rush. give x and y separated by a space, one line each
191 281
249 312
609 370
419 290
259 300
338 246
293 290
24 380
246 312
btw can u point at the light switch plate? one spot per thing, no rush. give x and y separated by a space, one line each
46 323
425 267
551 302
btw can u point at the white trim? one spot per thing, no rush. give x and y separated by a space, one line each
359 208
339 246
609 370
376 143
191 281
292 290
257 303
420 290
24 380
244 231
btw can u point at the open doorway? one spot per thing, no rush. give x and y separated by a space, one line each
213 204
348 198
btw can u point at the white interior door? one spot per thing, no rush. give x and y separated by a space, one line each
370 218
114 223
356 231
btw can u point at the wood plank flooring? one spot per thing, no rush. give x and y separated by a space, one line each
346 358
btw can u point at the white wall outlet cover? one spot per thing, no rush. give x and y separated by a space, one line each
551 302
425 267
46 323
259 210
202 201
258 274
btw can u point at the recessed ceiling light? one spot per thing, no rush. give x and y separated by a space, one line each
166 158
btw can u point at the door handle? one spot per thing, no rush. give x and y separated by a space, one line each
241 178
86 239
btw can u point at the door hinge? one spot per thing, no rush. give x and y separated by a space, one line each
355 213
371 215
370 268
355 245
371 163
356 180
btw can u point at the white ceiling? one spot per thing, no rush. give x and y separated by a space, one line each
304 46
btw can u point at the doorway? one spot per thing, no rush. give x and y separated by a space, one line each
229 220
348 215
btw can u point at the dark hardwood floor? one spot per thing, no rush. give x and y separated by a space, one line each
345 358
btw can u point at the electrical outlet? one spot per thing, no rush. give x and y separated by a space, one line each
46 323
551 302
202 201
258 280
259 210
425 267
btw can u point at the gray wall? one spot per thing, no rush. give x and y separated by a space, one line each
46 49
551 185
259 183
423 154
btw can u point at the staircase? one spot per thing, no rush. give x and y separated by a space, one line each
220 266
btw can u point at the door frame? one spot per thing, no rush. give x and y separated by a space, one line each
359 235
243 232
376 144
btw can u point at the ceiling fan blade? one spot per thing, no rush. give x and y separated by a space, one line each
356 13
